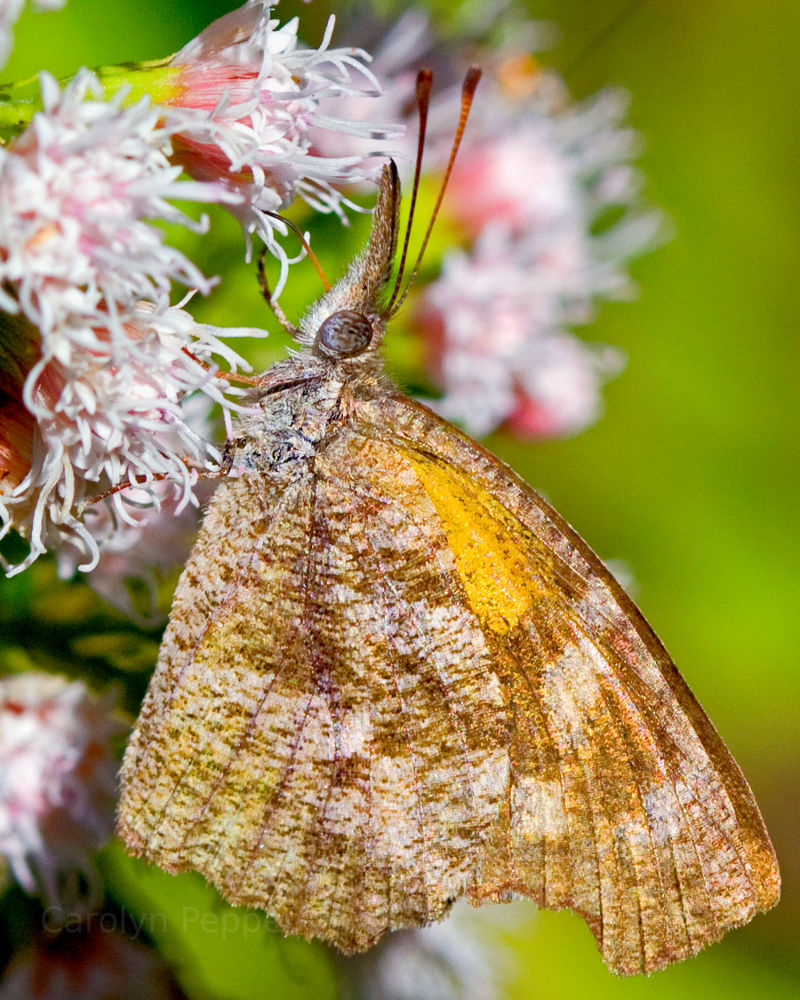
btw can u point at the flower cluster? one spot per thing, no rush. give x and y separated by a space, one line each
532 181
96 365
57 785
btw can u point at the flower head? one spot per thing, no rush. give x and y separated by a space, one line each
102 412
251 98
535 180
57 784
95 364
78 189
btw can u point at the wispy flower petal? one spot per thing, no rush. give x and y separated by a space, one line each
254 98
95 364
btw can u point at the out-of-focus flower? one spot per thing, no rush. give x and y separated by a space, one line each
57 785
533 188
494 331
461 958
251 99
9 13
94 367
96 964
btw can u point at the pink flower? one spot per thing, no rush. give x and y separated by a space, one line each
251 102
493 327
533 177
98 411
94 368
57 784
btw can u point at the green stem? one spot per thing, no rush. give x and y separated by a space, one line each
157 80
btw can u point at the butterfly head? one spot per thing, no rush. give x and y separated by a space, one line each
346 326
349 321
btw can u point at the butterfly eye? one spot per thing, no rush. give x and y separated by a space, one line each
344 334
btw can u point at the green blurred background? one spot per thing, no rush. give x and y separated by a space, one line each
691 477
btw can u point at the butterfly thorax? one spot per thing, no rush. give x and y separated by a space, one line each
299 402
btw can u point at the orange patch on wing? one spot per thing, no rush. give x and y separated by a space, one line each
488 545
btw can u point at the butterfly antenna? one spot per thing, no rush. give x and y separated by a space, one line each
467 94
424 84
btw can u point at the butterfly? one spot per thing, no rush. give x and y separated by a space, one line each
394 676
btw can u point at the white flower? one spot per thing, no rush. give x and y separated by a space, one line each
252 99
78 189
57 784
94 368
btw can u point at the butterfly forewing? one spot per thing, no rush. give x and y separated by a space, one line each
625 804
411 681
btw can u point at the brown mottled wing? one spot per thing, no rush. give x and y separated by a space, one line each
394 676
322 736
622 802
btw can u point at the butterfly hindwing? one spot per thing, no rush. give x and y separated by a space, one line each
319 738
